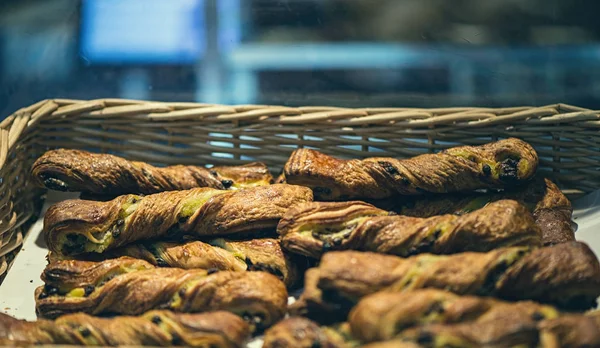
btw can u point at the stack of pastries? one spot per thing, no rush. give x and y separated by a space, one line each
462 248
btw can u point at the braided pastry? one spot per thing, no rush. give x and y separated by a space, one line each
566 275
397 343
312 305
313 228
300 332
217 254
571 330
77 226
154 328
383 315
82 286
496 165
551 209
511 329
75 170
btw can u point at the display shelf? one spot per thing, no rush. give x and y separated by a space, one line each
463 62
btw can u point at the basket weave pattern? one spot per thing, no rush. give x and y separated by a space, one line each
566 138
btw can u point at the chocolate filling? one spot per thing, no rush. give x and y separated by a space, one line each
425 338
487 170
509 170
88 290
389 168
227 183
56 184
75 244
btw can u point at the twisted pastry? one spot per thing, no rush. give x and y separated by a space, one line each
397 343
512 329
551 209
313 228
75 170
77 226
311 303
300 332
566 275
154 328
571 331
76 286
496 165
217 254
384 315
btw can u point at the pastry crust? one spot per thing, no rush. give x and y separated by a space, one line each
154 328
217 254
499 164
300 332
384 315
512 328
566 275
312 305
77 226
314 228
572 330
259 297
104 174
551 209
397 343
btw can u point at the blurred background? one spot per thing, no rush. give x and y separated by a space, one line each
420 53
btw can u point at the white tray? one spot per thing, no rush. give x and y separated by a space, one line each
16 293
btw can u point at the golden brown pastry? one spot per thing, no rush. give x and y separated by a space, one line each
78 286
510 330
572 330
384 315
500 164
218 254
566 275
396 343
312 305
154 328
104 174
300 332
314 228
551 209
77 226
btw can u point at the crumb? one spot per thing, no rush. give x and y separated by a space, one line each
7 308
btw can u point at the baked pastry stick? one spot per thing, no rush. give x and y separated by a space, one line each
77 226
572 330
384 315
566 275
218 254
76 286
511 329
104 174
397 343
314 228
499 164
300 332
551 209
155 328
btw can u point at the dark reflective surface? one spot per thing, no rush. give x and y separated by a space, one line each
302 52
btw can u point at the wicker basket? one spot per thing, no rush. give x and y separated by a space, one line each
566 138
